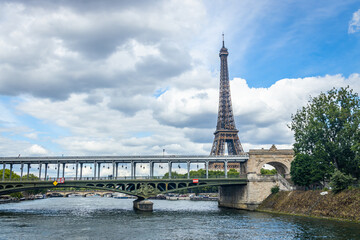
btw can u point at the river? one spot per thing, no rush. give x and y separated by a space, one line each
108 218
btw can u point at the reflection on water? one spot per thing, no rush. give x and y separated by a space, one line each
108 218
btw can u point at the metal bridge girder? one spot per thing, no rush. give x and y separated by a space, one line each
140 188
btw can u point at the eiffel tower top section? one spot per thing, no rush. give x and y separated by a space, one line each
225 115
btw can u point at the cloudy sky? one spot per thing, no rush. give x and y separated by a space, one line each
136 77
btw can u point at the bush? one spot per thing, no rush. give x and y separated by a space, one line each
275 189
17 195
339 181
264 171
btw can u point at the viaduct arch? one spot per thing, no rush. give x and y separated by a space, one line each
259 186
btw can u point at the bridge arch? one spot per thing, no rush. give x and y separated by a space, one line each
279 159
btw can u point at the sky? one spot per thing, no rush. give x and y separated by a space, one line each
137 77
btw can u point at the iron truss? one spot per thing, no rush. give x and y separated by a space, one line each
142 188
226 132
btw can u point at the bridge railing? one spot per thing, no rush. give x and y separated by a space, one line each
119 178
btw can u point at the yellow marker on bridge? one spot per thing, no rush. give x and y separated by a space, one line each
55 183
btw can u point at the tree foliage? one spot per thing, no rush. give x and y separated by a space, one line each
327 137
7 174
275 189
264 171
201 173
340 181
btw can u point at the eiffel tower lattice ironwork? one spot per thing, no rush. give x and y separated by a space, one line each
226 132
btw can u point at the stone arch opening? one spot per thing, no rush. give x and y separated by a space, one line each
281 168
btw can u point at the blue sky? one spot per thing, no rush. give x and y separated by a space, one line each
300 39
136 78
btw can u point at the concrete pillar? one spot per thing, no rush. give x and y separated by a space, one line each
143 205
40 165
21 170
46 168
134 169
99 169
113 168
58 171
81 168
207 169
117 170
11 168
76 170
63 172
188 166
132 166
170 167
151 169
3 173
95 170
225 168
28 170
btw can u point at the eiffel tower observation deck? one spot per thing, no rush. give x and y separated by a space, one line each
226 134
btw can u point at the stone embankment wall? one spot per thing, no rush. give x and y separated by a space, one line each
344 205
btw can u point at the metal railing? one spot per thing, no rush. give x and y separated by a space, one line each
121 178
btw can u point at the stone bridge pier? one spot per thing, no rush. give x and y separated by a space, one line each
258 186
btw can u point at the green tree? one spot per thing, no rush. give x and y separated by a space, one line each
7 174
306 170
13 176
327 130
340 181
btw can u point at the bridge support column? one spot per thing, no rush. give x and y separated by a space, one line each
28 170
94 170
207 169
63 172
151 169
133 170
99 169
3 173
76 170
225 168
21 170
11 168
143 205
188 169
58 171
113 168
40 165
46 168
117 170
81 168
169 167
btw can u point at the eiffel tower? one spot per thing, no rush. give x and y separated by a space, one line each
226 132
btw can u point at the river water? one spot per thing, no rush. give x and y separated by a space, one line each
108 218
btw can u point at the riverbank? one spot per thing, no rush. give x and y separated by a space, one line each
342 206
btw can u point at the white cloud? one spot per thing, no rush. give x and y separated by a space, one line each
182 121
354 25
36 150
72 71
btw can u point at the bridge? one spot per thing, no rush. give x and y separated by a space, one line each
244 191
141 186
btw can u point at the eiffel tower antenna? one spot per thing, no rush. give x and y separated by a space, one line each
226 132
223 40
